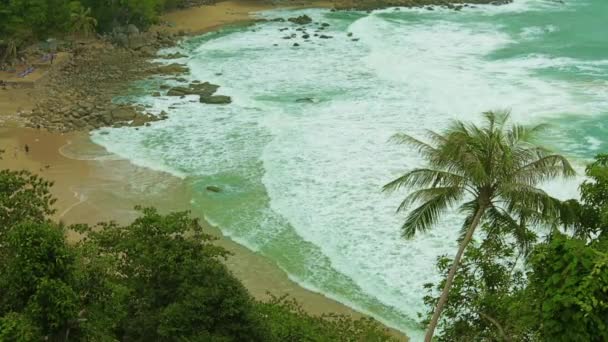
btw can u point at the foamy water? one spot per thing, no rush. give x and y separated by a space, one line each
302 180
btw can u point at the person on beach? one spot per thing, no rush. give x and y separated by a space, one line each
27 149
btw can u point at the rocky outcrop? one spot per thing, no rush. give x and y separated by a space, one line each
201 89
301 20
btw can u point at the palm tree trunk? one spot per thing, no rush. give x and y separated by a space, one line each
448 283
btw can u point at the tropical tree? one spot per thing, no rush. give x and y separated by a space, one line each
82 21
491 172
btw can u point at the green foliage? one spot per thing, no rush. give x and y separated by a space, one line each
563 295
589 217
177 280
486 302
36 282
494 168
82 22
289 322
19 328
23 197
491 173
569 281
22 21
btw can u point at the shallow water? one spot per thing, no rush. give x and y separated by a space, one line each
302 179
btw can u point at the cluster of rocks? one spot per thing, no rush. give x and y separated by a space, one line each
78 95
305 23
379 4
205 91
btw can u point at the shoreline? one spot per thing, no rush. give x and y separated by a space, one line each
93 186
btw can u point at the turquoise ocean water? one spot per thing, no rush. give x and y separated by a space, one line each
302 180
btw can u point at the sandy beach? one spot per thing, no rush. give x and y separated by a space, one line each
92 185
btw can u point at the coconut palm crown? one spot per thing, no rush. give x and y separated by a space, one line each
491 172
83 22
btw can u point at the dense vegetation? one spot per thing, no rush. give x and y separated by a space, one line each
556 292
22 21
504 284
160 278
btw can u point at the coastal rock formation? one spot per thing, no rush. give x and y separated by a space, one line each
201 89
301 20
78 94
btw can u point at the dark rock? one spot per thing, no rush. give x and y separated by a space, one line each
296 44
216 99
156 94
306 36
301 20
201 89
174 56
325 37
350 34
324 24
213 188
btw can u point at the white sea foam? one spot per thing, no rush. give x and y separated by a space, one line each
325 163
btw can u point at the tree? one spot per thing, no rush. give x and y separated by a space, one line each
37 284
486 301
494 169
588 218
287 321
23 197
82 21
569 286
179 289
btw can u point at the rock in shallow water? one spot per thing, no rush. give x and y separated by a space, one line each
301 20
213 188
216 99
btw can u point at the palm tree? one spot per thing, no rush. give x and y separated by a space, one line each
493 170
10 51
83 22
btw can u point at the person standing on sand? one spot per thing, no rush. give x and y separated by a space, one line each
27 149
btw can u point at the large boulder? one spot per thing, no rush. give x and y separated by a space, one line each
125 113
301 20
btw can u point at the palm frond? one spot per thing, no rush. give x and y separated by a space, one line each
428 194
425 216
419 145
421 178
